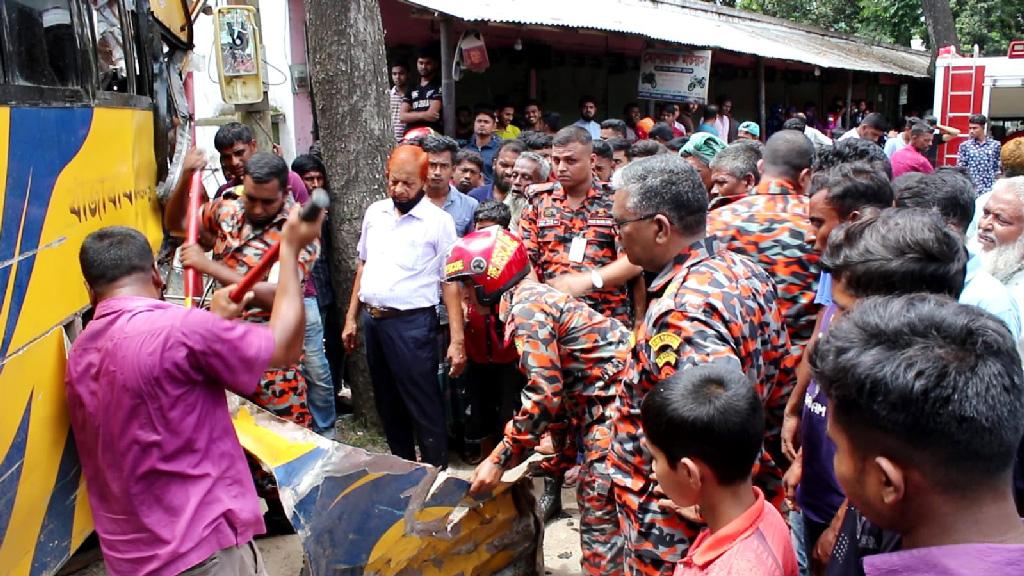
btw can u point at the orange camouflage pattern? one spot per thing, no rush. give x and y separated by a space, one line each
771 227
240 245
548 225
601 541
711 304
573 359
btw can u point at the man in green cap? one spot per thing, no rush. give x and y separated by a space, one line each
699 150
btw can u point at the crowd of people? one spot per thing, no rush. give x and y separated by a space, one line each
753 355
730 264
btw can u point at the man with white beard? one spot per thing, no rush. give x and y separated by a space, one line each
1000 235
530 169
950 192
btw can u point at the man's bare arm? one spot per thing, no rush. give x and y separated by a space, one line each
176 208
288 315
948 132
451 293
613 275
431 114
793 412
350 332
619 272
193 256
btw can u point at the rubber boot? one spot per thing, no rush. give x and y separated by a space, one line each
550 502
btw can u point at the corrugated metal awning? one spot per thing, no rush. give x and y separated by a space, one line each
696 23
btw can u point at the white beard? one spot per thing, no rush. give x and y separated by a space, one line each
1005 261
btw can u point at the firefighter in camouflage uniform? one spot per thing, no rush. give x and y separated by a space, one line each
573 358
573 245
707 304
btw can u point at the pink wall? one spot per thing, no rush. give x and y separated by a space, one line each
303 113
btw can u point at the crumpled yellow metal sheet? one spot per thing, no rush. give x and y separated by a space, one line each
363 513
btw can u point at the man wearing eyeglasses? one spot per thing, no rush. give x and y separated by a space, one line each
708 304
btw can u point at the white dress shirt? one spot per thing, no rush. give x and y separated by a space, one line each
403 255
722 126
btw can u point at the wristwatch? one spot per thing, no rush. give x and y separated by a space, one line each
596 280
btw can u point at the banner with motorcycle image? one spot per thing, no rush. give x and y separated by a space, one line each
675 75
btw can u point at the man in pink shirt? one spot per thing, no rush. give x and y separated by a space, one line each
167 481
911 158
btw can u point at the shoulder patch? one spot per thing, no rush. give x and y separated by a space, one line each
535 189
663 339
234 192
667 357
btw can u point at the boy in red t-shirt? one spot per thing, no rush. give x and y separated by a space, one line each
704 427
495 382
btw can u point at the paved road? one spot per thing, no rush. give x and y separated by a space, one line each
562 537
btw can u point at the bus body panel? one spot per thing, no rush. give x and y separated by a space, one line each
65 173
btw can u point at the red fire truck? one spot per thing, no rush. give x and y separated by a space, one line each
972 85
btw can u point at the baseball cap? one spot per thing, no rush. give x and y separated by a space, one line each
751 128
704 146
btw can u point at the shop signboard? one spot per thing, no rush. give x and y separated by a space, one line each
675 75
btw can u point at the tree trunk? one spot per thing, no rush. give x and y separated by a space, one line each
348 71
938 17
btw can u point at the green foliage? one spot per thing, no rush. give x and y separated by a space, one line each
989 23
893 21
816 12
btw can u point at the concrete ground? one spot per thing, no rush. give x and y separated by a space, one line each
562 538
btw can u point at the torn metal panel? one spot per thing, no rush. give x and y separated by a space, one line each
364 513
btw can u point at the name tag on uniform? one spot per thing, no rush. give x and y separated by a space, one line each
577 249
601 222
547 222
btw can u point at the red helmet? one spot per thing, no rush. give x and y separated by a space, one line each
415 134
494 259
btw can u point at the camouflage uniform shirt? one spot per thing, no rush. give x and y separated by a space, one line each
548 226
573 358
771 227
710 304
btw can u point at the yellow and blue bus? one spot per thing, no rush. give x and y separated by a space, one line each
85 135
93 126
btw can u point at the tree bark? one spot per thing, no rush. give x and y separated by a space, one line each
348 70
938 17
